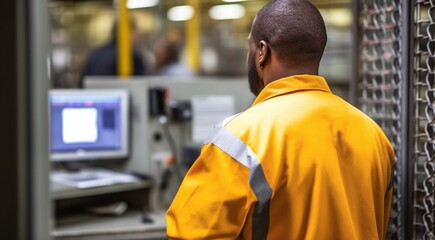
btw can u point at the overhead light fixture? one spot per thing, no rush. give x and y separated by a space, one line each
229 11
180 13
131 4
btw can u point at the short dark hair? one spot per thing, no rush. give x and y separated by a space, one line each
294 28
171 49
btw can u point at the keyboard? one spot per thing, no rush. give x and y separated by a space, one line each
89 178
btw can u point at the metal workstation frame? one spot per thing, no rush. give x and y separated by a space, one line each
393 82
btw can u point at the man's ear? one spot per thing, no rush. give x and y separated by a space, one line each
264 53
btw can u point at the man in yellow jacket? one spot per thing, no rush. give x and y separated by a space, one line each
300 163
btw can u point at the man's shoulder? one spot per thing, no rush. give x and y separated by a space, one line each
244 122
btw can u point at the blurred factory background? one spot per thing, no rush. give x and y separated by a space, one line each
79 26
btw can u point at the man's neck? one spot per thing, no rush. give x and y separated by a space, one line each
273 75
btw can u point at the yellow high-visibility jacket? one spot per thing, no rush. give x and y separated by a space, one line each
301 163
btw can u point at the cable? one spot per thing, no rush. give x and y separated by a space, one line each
173 148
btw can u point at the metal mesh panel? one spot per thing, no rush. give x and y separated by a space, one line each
380 80
424 120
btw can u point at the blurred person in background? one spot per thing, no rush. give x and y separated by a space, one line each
167 55
102 61
300 163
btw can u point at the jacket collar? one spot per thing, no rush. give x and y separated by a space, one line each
292 84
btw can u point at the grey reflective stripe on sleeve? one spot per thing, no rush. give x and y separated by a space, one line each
242 153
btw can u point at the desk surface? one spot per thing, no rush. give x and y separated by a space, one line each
127 226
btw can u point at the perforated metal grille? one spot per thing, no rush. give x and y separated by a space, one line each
424 119
380 80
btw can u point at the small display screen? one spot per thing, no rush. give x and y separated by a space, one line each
85 123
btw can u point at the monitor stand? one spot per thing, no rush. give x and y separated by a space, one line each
74 166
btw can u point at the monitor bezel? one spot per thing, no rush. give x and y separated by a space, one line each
84 155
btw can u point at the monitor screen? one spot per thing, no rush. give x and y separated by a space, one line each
88 124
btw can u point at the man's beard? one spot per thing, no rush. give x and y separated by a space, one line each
255 83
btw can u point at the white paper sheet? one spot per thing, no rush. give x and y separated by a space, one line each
207 111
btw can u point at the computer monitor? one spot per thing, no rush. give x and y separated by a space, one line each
88 124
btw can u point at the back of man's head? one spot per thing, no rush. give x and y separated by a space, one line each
294 29
166 52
